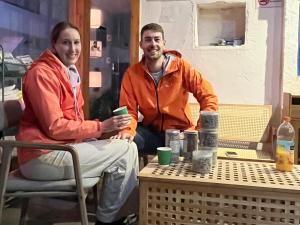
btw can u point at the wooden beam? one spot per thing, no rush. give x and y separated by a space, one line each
134 37
79 15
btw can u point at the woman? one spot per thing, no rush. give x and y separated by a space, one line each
53 114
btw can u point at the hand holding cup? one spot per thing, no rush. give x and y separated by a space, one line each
121 121
122 118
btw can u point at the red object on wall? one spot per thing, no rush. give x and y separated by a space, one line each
263 2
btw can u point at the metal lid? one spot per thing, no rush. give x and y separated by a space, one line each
190 132
172 131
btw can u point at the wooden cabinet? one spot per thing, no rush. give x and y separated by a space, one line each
291 108
234 192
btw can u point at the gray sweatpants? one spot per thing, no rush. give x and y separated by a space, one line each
116 159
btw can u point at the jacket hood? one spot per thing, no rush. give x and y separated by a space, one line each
53 65
173 52
48 58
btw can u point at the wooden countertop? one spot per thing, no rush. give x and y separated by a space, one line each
227 173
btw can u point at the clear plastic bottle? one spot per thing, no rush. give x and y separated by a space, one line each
285 146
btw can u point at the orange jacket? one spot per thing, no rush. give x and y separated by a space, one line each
50 115
165 106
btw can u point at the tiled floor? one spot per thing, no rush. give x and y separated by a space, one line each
46 211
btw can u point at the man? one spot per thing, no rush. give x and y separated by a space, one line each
158 87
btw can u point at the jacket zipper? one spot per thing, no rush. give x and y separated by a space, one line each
156 95
157 105
162 115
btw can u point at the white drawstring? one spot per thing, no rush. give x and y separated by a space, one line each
75 81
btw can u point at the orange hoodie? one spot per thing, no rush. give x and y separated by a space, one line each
165 106
50 113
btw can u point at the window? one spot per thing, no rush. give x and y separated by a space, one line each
221 24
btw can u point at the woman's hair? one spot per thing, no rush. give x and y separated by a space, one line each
154 27
58 28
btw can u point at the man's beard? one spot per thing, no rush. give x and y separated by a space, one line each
154 57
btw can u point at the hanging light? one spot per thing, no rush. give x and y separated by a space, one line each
95 79
96 18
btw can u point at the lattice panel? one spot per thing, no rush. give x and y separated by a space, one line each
185 204
234 193
195 112
240 122
237 144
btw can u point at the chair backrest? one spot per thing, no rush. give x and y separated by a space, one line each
10 116
238 122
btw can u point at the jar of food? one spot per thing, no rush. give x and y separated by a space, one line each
172 139
202 161
208 138
190 144
214 151
209 120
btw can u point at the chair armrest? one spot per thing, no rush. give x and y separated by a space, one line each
9 145
36 145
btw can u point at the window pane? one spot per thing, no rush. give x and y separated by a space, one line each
25 25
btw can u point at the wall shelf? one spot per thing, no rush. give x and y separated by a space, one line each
221 21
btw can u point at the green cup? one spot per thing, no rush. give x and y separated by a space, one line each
164 156
120 111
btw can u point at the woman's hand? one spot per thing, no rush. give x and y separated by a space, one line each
115 123
123 136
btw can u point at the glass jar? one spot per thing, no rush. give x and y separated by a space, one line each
190 144
172 139
202 161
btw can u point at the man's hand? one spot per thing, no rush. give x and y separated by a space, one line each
124 136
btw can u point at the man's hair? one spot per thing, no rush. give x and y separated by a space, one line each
58 28
154 27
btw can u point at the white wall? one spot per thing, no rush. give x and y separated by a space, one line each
291 82
248 74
